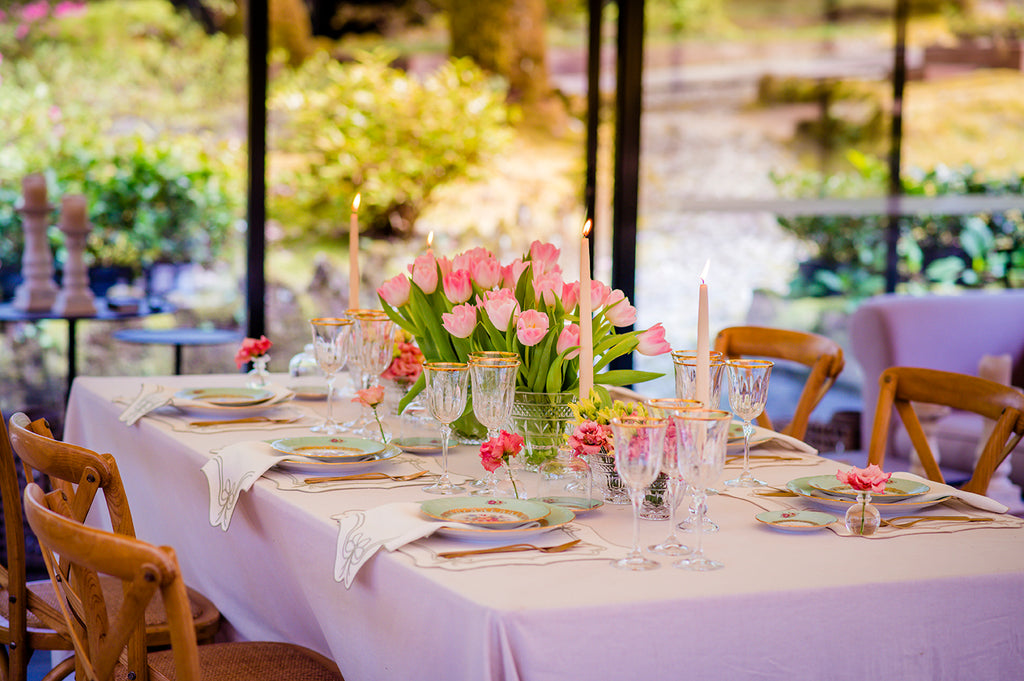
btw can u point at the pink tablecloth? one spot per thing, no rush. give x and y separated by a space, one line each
787 606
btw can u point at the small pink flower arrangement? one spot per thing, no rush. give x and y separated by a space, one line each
250 349
590 437
373 398
407 361
870 479
498 451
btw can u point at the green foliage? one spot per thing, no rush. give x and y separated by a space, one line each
934 250
365 127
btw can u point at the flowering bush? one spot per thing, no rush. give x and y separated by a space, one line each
870 479
251 347
406 362
472 302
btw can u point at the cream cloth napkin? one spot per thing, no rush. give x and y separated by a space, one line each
233 470
970 498
149 399
776 440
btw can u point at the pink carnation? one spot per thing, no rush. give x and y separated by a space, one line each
870 479
498 450
407 365
370 397
251 347
590 437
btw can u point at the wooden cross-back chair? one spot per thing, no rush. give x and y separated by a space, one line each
80 473
108 640
29 617
822 355
901 387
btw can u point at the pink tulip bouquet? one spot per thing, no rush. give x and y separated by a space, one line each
473 302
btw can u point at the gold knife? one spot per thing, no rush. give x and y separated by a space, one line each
250 419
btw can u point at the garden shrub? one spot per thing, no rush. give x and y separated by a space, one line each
363 126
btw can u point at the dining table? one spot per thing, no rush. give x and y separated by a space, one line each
927 601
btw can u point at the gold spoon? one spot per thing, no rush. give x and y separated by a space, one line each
511 548
368 476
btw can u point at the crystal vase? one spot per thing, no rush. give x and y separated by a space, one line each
544 420
259 376
607 480
863 518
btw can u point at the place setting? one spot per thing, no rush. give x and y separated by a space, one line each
463 532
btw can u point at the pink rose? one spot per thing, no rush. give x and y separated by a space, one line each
544 257
570 296
618 310
547 285
501 307
486 273
461 321
870 479
395 291
511 273
458 288
251 347
652 341
424 273
590 437
570 337
370 397
531 327
498 450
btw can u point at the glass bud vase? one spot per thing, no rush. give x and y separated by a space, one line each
863 518
259 376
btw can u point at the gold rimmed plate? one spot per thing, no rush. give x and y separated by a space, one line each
483 512
557 517
328 448
301 464
802 487
796 521
226 397
896 489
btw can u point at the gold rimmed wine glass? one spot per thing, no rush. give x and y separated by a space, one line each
331 338
665 407
639 447
372 351
702 436
447 387
493 379
685 365
748 394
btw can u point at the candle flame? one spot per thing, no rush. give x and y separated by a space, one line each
587 226
704 272
430 239
355 203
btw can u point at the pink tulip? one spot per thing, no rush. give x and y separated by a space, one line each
547 285
458 287
468 259
570 337
446 266
652 341
618 310
501 306
531 327
486 273
599 292
511 273
395 291
461 321
424 273
544 257
570 296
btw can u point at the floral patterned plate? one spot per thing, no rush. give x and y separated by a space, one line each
485 512
796 521
556 518
302 464
897 489
328 448
226 397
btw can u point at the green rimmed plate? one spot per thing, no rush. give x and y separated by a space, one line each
301 464
328 448
482 512
226 397
897 489
802 487
419 445
578 505
558 517
796 521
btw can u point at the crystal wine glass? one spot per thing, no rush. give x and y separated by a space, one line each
685 364
748 393
447 386
702 435
493 377
331 338
665 407
639 446
373 348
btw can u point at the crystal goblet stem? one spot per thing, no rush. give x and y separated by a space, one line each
639 448
331 336
704 433
748 394
447 389
665 407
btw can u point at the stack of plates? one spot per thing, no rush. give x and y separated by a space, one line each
327 454
228 402
494 520
900 496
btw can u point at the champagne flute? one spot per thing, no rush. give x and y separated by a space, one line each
493 378
639 447
373 349
702 435
331 338
665 407
748 393
447 386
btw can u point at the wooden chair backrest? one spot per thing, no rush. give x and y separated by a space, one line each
903 386
102 639
75 470
822 355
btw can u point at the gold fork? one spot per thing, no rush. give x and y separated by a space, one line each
368 476
511 548
915 519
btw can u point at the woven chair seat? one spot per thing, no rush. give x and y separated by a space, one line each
248 661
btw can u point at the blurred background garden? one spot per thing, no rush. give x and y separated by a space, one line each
750 107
